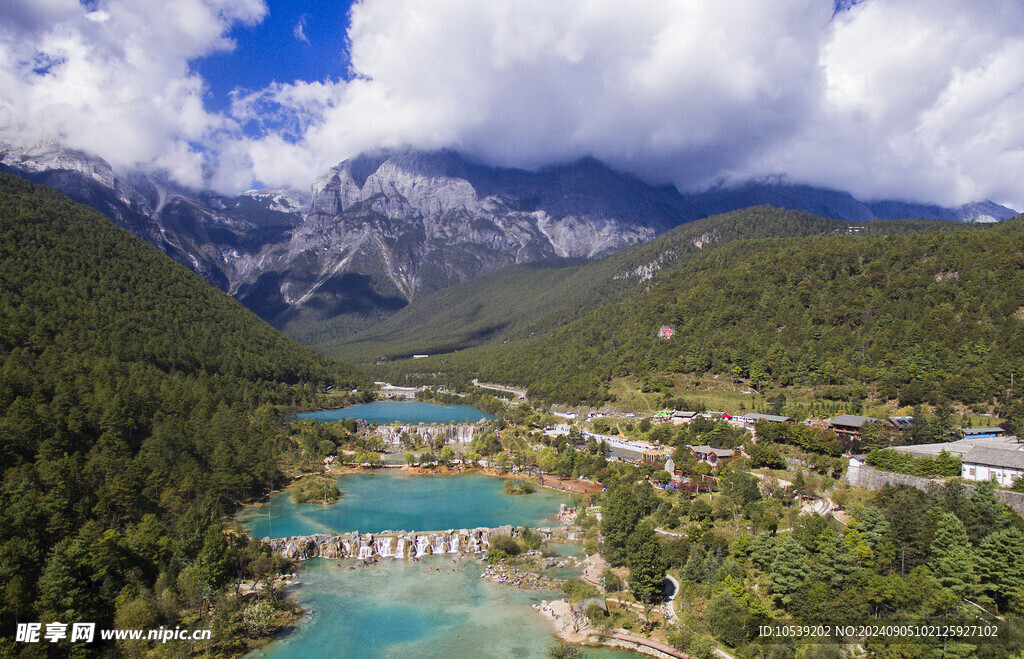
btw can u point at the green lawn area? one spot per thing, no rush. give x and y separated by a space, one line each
722 394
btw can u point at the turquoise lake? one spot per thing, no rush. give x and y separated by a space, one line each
383 412
390 500
435 607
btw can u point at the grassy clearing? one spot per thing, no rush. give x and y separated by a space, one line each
722 393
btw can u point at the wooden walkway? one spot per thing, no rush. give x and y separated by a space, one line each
651 643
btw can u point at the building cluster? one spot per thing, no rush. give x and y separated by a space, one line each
986 453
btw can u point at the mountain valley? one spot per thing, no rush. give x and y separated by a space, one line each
380 231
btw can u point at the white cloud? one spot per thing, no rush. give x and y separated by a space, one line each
923 100
917 99
299 31
117 82
671 92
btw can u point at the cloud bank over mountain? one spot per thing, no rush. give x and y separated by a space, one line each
917 99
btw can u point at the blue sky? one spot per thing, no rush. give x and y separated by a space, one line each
299 40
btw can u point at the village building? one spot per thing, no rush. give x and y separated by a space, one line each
962 446
900 423
666 331
983 463
679 418
848 426
713 456
982 433
654 455
753 417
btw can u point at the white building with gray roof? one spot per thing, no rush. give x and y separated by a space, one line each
983 463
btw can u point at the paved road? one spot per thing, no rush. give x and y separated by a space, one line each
670 606
498 387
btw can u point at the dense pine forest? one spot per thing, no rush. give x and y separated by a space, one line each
528 299
905 316
907 557
137 406
907 310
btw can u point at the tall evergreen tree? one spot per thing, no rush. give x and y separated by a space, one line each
620 514
789 569
645 563
1000 564
952 557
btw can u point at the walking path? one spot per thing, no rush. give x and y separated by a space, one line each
823 505
651 643
569 484
578 630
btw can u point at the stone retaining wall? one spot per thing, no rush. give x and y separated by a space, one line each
873 479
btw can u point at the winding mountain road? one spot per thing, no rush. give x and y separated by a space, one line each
521 393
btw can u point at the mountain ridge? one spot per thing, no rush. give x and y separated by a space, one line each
382 229
909 310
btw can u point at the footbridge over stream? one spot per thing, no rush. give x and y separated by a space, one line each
404 544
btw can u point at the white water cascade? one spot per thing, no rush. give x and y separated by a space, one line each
401 544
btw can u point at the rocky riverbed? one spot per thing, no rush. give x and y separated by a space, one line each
526 573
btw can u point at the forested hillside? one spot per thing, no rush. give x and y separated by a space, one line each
525 300
913 316
135 408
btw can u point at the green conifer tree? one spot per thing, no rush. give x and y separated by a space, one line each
952 557
645 563
1000 564
789 570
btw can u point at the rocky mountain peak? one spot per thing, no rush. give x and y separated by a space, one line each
382 228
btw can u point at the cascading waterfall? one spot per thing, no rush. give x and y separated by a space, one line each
399 544
461 433
464 434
